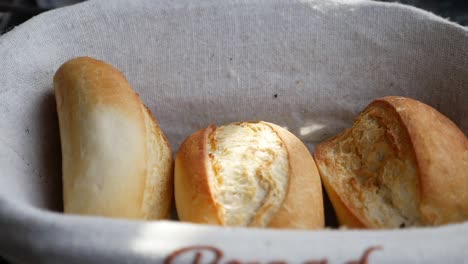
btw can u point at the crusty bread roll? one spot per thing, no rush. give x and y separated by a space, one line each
116 161
253 174
402 163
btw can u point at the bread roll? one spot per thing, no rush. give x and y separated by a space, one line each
402 163
254 174
116 161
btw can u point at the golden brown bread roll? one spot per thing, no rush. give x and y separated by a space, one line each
116 161
402 163
253 174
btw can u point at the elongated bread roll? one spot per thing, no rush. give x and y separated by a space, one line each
402 163
116 161
253 174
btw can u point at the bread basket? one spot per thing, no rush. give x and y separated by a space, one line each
309 66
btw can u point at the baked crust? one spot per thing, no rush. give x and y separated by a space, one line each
301 208
304 188
116 161
194 199
420 137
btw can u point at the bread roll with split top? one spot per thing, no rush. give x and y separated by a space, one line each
253 174
401 164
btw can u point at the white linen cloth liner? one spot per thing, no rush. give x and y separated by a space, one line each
310 66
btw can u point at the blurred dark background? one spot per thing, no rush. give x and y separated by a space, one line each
14 12
454 10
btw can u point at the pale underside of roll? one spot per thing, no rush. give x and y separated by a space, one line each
116 161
